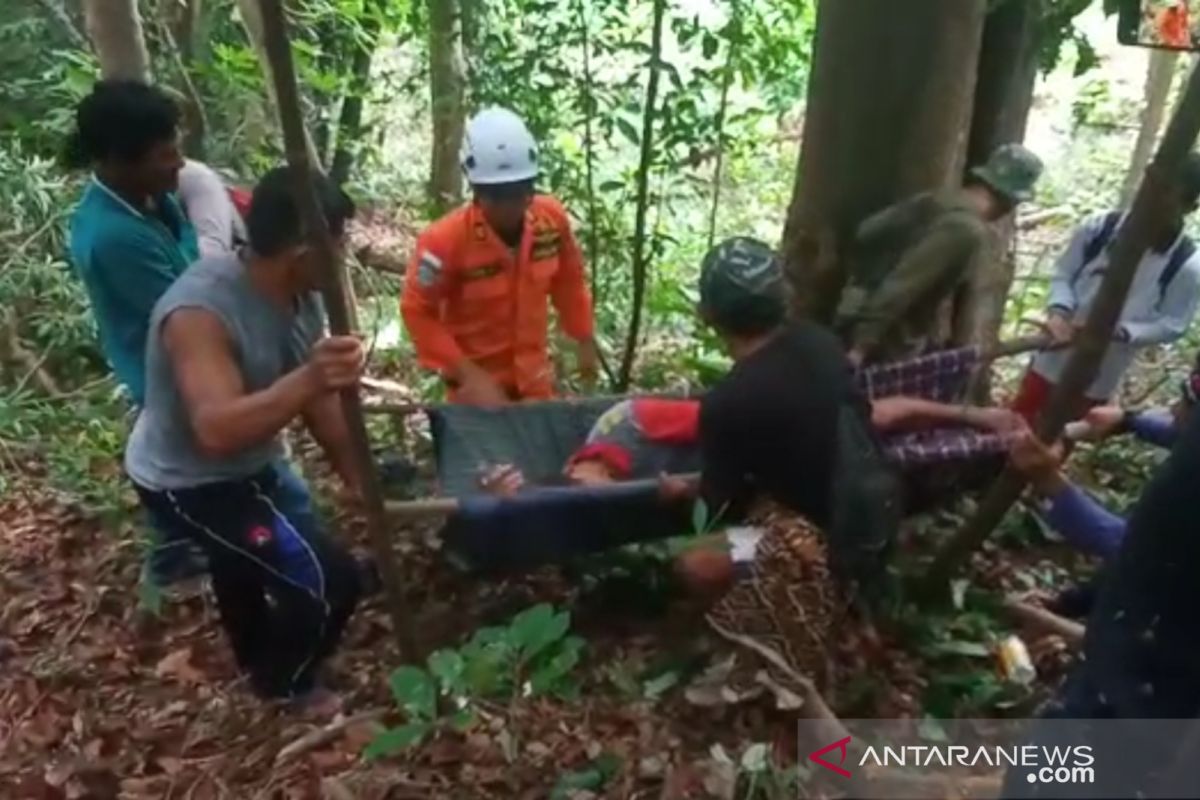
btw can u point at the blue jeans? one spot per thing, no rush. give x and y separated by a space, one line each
174 557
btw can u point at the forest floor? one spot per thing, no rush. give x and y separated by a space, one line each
101 699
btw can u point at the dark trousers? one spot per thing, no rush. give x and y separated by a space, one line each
174 556
285 590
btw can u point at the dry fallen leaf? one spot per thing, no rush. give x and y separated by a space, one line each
169 765
330 760
178 665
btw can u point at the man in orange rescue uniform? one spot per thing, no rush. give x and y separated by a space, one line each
475 292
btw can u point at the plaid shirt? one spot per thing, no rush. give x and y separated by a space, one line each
940 377
943 445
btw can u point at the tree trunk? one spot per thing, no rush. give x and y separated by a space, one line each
58 11
349 125
195 121
588 104
115 28
641 212
252 21
1092 342
722 110
1008 69
1160 75
447 85
889 102
471 13
186 28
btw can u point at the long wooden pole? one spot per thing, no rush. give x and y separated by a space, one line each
279 54
645 164
1128 248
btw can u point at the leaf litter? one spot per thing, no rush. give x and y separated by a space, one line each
101 699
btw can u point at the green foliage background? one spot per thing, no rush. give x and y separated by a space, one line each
734 73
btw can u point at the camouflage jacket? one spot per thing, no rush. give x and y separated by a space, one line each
905 261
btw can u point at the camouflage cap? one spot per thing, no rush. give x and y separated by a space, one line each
1012 171
741 279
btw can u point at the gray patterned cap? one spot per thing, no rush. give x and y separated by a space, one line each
742 279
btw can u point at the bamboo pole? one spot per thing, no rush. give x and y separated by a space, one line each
445 506
1002 350
279 55
397 409
425 507
1126 254
640 264
1046 621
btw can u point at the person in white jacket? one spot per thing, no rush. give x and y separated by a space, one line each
206 201
1159 308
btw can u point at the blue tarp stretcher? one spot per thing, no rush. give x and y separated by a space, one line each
548 523
552 523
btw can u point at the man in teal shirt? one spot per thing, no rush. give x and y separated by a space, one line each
130 239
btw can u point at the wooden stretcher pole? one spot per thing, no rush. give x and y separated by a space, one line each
408 409
445 506
1128 248
395 409
425 507
1016 347
334 291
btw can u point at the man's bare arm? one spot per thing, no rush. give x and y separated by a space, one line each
897 414
224 418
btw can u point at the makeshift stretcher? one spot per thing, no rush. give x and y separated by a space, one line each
550 523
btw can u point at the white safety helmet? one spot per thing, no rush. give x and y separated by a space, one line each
497 148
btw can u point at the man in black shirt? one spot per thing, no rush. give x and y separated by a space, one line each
770 426
787 423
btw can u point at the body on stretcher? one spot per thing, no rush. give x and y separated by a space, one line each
550 524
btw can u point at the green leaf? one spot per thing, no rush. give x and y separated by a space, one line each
622 678
1087 57
655 688
464 719
931 730
488 668
548 677
699 516
485 637
592 778
958 648
536 628
629 130
414 691
709 45
396 740
756 758
449 668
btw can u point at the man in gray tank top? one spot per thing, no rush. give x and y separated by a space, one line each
235 353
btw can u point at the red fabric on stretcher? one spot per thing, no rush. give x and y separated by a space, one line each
668 421
240 199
